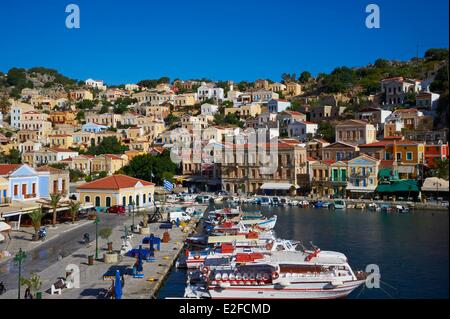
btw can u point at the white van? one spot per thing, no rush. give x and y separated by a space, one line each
182 216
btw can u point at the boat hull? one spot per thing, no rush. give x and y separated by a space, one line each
293 291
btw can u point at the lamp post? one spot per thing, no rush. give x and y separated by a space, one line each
18 258
133 203
96 222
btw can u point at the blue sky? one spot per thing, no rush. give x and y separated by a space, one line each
126 41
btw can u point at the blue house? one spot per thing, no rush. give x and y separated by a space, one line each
93 128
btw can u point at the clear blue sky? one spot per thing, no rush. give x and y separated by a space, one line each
126 41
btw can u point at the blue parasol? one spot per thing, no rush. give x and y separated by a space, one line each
118 286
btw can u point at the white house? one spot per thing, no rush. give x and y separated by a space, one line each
278 105
300 130
131 87
206 92
209 109
96 84
427 102
16 112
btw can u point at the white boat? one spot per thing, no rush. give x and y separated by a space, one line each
401 209
339 204
265 200
279 275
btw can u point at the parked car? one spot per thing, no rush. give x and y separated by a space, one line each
116 209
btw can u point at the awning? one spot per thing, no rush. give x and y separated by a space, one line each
408 185
4 226
435 184
278 186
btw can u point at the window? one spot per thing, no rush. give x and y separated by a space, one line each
409 156
97 200
16 190
399 156
108 201
144 199
124 200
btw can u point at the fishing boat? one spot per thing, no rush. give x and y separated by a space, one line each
228 252
278 275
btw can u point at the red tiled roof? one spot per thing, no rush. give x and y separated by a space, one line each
114 182
5 169
386 163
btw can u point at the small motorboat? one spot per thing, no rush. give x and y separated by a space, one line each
339 204
401 209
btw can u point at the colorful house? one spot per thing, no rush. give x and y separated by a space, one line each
362 176
434 153
338 178
117 190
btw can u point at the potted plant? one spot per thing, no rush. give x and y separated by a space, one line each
33 284
36 221
144 230
92 215
110 256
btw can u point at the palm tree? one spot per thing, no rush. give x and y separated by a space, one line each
74 208
36 219
54 201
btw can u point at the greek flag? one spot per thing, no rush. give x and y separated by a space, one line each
168 185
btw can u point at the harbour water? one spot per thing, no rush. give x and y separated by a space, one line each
411 250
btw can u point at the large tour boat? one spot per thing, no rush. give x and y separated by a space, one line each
280 275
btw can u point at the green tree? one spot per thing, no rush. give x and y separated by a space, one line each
4 105
55 198
305 76
327 131
442 168
105 233
34 283
151 168
74 207
437 54
36 221
109 145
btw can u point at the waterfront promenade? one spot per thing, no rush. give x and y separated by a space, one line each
92 284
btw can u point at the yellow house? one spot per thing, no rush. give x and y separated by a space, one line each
61 140
62 117
109 163
407 155
117 190
245 110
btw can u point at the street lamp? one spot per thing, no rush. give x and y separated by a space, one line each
96 222
18 258
133 203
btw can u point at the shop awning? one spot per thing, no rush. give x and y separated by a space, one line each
435 184
408 185
278 186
